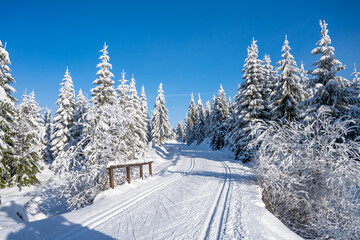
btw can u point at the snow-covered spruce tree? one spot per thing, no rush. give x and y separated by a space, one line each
269 78
29 147
63 120
7 120
144 110
305 82
199 127
218 120
332 93
289 92
179 131
123 91
251 106
207 118
184 131
81 108
190 124
160 126
48 125
139 127
104 92
310 177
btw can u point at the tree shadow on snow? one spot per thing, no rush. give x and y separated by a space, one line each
56 227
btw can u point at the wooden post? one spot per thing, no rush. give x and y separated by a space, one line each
128 174
111 176
141 171
150 169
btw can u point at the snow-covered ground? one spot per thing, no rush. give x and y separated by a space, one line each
195 193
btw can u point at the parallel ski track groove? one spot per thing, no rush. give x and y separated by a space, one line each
93 222
216 206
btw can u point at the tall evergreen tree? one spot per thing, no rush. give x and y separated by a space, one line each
123 91
179 131
48 124
7 120
144 110
184 131
207 118
64 117
80 110
333 94
305 82
269 78
289 91
355 73
28 145
140 126
251 106
160 126
104 91
191 121
219 117
199 127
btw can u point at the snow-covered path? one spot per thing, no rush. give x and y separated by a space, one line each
196 193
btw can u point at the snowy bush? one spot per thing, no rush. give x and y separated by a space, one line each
310 177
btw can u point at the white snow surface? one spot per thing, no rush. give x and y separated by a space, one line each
195 193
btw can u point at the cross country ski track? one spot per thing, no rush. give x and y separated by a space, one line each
94 221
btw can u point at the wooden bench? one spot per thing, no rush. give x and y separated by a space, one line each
128 166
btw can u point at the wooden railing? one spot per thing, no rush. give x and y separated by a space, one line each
128 166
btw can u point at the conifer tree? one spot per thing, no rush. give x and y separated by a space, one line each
28 145
219 117
123 91
289 91
191 121
80 110
140 126
104 92
207 118
64 117
199 127
333 94
145 115
179 131
251 106
48 124
355 73
7 120
184 131
269 78
160 126
305 82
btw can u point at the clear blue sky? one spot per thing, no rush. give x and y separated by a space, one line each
189 46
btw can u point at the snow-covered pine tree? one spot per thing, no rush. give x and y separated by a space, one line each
144 110
123 91
269 78
199 127
28 145
179 131
289 91
251 106
7 120
160 126
332 94
81 108
48 125
184 131
191 121
219 118
140 126
355 73
104 91
63 119
207 118
305 82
